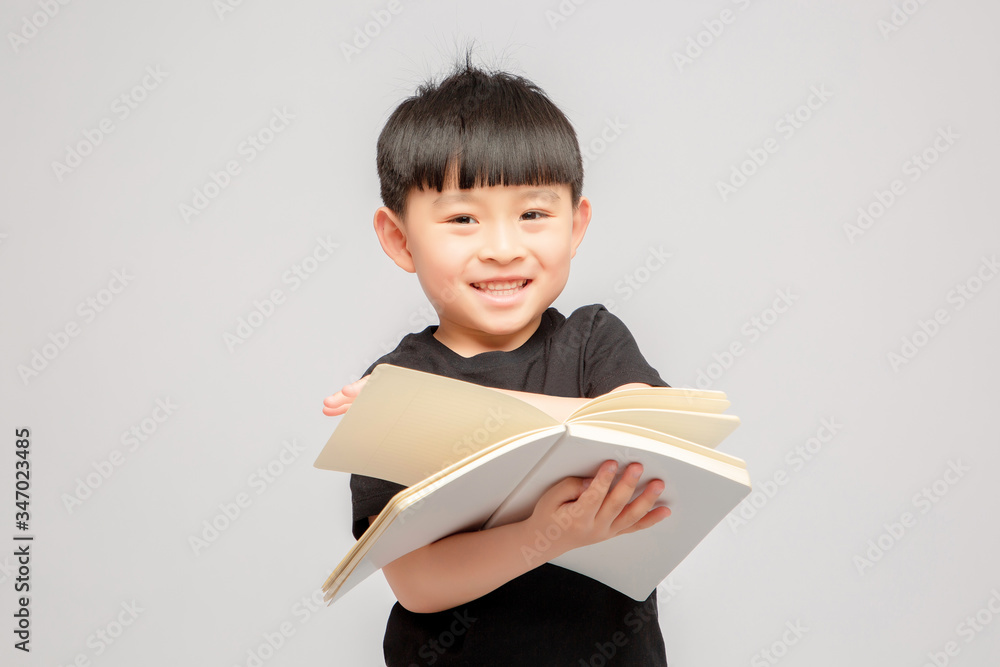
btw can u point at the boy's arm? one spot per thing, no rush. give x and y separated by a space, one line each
460 567
464 566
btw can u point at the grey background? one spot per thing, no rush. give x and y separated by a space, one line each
653 185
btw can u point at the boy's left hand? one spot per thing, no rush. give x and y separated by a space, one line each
341 401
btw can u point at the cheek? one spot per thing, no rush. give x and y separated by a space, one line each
555 254
556 241
433 251
443 263
442 246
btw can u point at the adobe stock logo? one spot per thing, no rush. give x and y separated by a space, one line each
633 281
59 340
787 126
796 459
249 149
138 434
223 7
959 296
122 107
899 526
752 329
296 276
914 167
594 148
31 25
108 634
363 35
968 629
232 509
900 16
779 648
565 9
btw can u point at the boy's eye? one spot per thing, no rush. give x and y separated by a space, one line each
466 219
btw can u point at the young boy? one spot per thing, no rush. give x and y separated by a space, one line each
481 178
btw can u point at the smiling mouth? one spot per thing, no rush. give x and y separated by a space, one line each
501 289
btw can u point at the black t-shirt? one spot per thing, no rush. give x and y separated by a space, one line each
549 616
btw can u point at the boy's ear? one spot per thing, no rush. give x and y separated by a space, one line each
392 236
581 219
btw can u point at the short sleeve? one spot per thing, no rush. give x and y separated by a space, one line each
612 357
369 495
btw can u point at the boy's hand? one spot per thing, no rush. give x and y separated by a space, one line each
589 514
341 401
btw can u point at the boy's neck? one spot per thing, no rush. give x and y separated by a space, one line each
468 343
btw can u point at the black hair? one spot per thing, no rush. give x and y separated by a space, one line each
496 128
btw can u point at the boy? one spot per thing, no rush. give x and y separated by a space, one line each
481 178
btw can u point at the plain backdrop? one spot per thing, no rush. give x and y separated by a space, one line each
188 268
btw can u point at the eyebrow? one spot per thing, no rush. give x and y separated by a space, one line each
460 197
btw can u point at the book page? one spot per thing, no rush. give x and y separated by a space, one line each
616 401
699 490
457 502
672 393
406 425
669 441
702 428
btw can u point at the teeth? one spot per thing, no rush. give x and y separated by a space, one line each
500 287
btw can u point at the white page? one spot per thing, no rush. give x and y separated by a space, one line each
699 498
458 502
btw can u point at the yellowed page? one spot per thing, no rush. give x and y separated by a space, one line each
644 400
702 428
406 425
673 393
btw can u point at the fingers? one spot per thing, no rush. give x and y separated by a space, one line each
567 490
338 403
341 401
592 497
355 387
592 513
653 517
638 514
621 494
620 515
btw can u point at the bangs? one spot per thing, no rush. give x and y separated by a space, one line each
505 149
486 130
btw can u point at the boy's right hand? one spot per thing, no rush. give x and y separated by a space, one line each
339 403
585 514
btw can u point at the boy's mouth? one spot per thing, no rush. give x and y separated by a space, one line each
504 288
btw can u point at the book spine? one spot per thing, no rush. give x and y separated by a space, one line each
527 478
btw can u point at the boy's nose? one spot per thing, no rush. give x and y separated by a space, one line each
502 243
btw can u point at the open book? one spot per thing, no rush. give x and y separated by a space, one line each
474 458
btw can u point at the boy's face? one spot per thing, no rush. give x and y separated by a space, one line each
456 241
